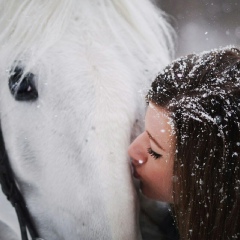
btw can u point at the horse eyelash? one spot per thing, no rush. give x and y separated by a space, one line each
154 154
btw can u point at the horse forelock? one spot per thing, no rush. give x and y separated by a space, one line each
25 24
37 25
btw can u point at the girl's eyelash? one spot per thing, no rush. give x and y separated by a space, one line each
154 154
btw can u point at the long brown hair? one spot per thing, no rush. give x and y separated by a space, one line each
202 94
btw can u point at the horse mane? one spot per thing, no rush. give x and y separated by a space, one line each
138 26
145 24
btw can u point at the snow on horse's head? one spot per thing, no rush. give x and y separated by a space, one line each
72 80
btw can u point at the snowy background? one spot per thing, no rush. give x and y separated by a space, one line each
203 25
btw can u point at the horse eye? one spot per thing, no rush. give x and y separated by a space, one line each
22 87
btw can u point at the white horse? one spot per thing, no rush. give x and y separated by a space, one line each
73 75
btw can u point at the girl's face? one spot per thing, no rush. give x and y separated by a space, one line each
152 155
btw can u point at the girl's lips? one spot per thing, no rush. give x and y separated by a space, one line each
135 173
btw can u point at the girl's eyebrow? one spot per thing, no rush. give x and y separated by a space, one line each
150 136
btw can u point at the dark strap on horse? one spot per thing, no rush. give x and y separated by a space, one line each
13 194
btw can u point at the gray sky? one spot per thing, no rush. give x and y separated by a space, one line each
203 25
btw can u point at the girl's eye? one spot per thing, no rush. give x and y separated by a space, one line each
154 154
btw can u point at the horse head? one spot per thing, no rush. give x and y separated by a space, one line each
72 80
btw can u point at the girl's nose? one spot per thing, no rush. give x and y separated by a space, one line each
138 162
138 150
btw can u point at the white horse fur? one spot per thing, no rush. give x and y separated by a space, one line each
93 61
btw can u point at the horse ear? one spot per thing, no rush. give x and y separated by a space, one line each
22 85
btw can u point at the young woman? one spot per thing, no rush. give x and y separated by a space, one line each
189 153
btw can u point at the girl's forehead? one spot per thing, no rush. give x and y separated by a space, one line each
157 115
159 125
